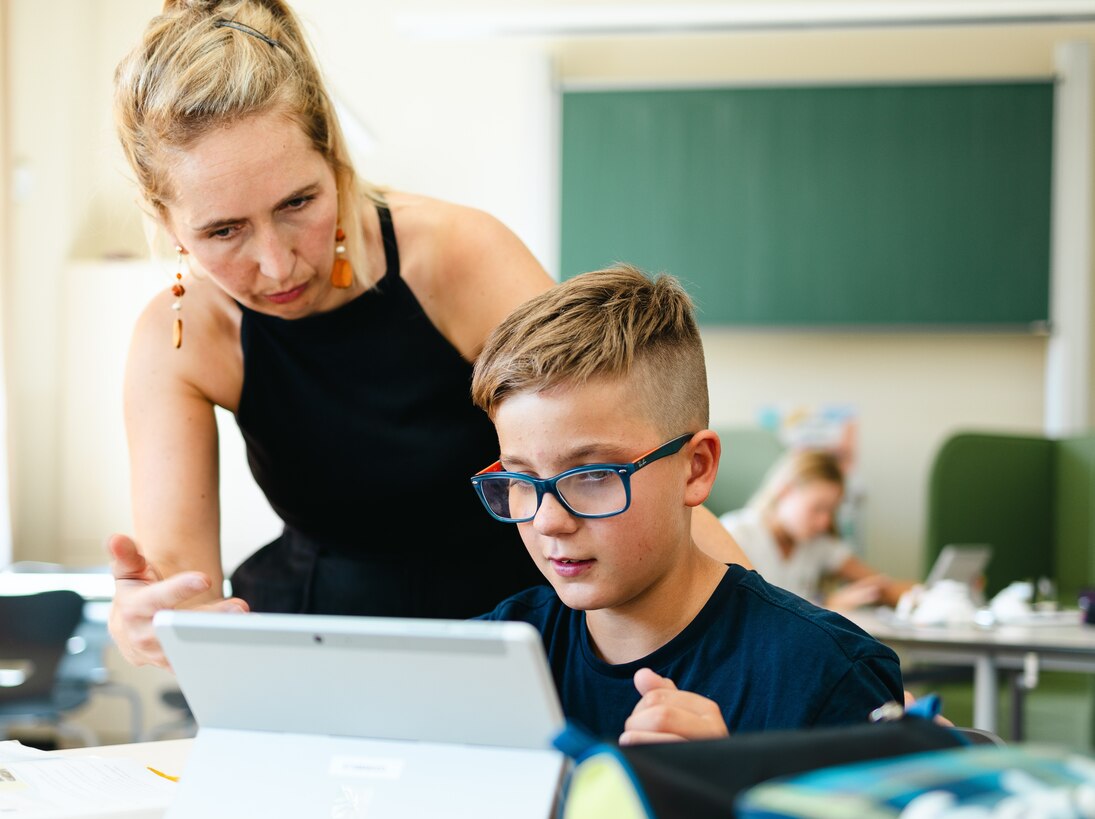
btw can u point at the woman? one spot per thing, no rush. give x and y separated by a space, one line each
336 320
788 530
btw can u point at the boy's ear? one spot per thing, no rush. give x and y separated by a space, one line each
705 449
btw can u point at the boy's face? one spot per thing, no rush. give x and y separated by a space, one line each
606 562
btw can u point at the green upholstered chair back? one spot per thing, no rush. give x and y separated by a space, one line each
1031 497
1034 499
747 454
995 489
1074 514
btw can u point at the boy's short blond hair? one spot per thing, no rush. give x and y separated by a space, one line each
616 322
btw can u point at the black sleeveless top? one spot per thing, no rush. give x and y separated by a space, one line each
361 432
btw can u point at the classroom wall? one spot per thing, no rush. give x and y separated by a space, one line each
473 121
5 182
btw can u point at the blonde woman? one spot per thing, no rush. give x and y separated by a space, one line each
788 529
336 320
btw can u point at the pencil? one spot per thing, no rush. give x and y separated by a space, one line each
161 773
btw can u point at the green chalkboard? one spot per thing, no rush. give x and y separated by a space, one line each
824 205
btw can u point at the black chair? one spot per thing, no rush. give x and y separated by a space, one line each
83 670
34 634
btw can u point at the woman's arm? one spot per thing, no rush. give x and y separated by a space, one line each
172 435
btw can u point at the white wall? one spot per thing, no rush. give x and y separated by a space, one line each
5 182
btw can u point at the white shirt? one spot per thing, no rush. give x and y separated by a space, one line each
801 572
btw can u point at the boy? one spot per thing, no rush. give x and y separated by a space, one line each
648 637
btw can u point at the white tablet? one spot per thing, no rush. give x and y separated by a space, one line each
448 681
963 562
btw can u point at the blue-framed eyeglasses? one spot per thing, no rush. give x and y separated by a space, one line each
590 491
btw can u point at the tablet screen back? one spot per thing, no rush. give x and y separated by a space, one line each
448 681
963 562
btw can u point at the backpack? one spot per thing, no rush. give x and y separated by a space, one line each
703 778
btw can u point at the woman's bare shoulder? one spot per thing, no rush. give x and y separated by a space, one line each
416 213
205 363
466 266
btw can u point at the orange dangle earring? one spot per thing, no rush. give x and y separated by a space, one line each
177 290
342 274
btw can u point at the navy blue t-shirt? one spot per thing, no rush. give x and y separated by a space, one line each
769 658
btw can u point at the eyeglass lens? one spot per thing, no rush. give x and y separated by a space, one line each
592 492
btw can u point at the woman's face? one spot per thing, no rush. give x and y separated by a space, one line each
806 510
256 208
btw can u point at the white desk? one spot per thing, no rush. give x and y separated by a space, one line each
1068 647
92 586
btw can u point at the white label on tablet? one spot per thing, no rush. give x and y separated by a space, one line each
367 767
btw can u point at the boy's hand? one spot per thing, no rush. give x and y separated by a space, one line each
665 714
938 718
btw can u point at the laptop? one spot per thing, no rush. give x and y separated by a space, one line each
347 717
963 562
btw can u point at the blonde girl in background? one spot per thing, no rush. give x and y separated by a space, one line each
788 530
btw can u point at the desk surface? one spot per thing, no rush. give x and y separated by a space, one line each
1058 638
93 586
988 650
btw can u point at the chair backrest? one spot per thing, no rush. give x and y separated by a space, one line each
747 454
34 631
1031 497
84 662
1074 514
995 489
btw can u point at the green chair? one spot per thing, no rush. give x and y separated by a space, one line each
995 489
1033 499
747 454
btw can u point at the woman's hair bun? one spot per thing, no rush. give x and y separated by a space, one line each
206 6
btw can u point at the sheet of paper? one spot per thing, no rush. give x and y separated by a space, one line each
35 784
12 750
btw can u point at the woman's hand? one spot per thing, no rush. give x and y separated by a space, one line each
667 714
140 591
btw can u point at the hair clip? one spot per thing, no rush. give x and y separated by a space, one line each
246 29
